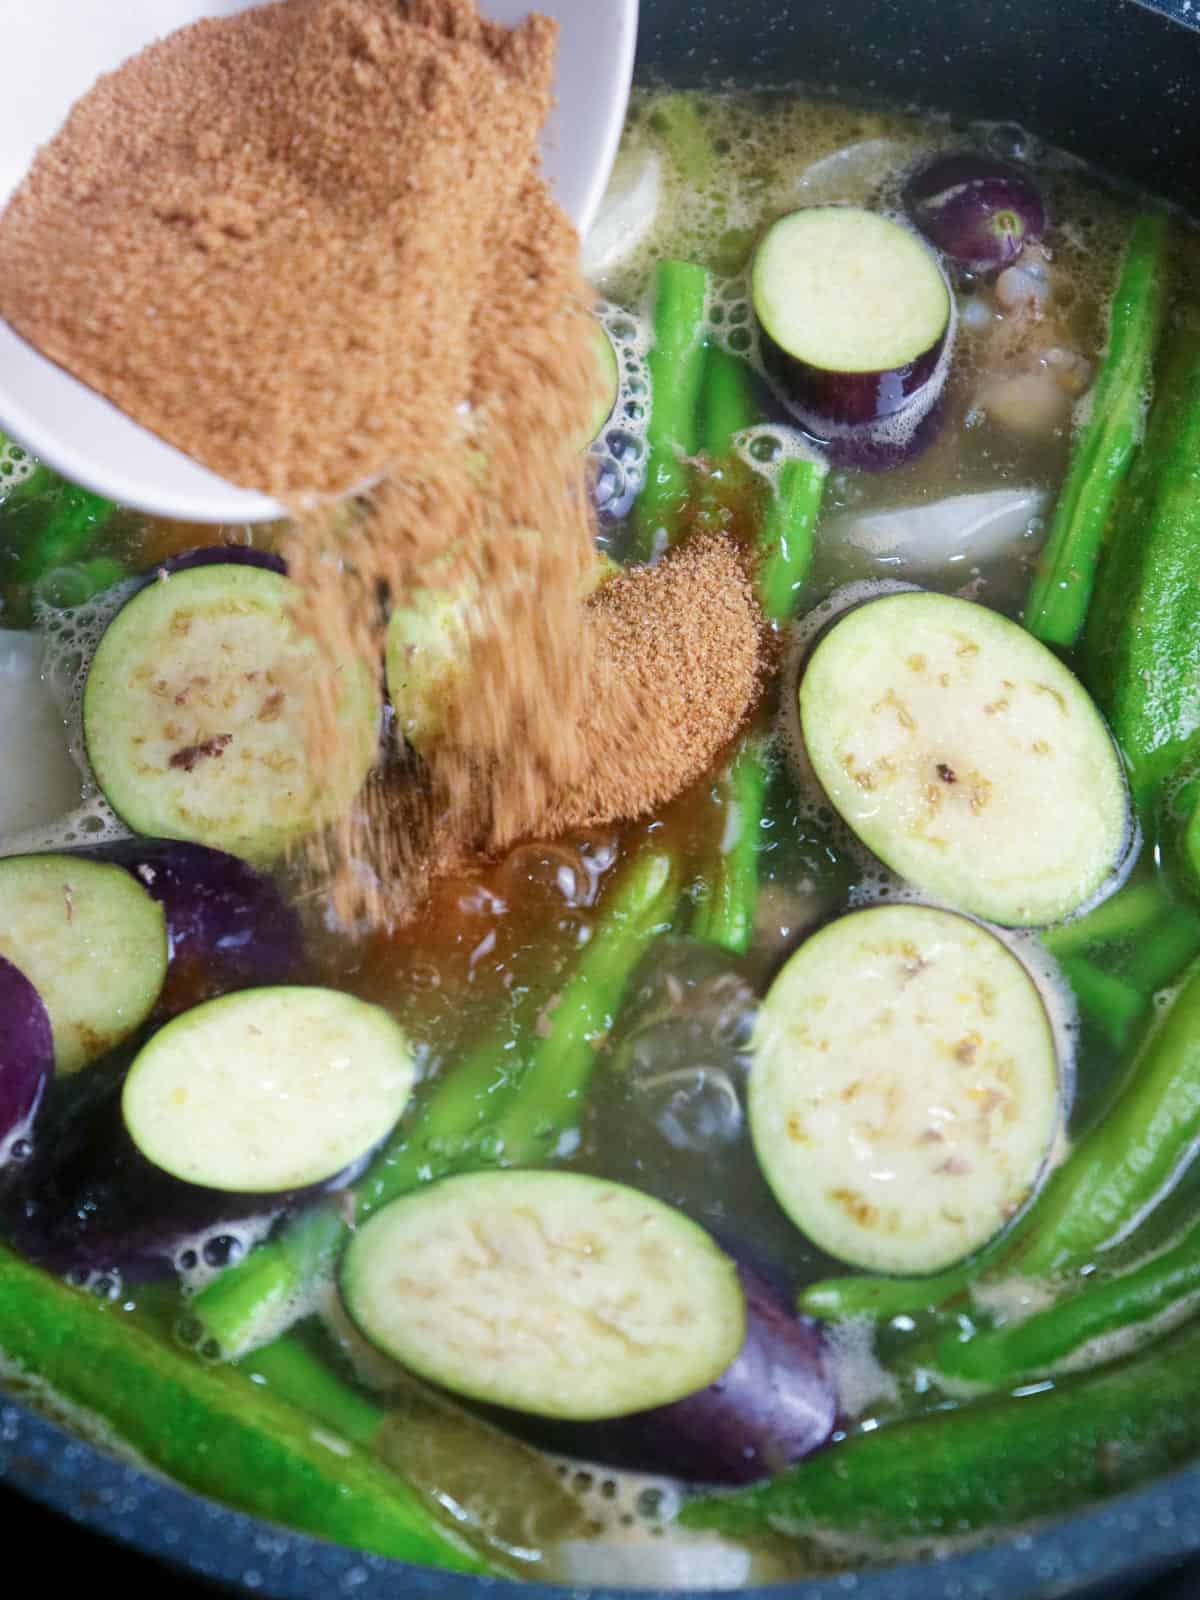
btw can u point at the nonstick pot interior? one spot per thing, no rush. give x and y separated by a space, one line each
1118 84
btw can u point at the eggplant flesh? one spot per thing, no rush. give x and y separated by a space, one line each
774 1405
90 1206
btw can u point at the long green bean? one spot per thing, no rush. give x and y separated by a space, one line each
1126 915
1114 1005
500 1107
726 402
1058 599
210 1429
785 545
1005 1354
676 365
995 1463
726 916
1142 649
1123 1164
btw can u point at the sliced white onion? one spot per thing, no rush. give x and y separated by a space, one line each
38 780
675 1561
627 213
849 174
974 527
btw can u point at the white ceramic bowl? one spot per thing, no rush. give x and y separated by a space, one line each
53 50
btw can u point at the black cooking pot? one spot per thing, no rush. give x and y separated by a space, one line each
1117 82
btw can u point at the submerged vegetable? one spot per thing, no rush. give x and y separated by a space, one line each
268 1090
1105 442
1142 646
197 710
988 1465
775 1404
491 1109
223 555
26 1061
785 544
608 383
549 1292
676 369
38 780
1163 1284
50 524
725 916
91 941
1118 1170
627 214
78 582
210 1429
853 311
966 756
904 1093
89 1205
784 547
880 1297
926 537
228 926
978 211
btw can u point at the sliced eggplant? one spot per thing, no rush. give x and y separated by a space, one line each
198 707
977 210
268 1090
428 650
551 1293
26 1060
429 640
966 756
905 1092
228 926
775 1404
608 383
89 1203
222 555
92 943
854 312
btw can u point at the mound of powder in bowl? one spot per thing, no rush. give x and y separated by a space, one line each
267 236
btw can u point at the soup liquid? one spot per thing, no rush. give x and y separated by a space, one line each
666 1111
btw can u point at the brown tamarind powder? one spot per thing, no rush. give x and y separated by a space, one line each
266 236
311 245
682 638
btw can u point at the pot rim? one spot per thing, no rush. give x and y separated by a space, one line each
1136 1534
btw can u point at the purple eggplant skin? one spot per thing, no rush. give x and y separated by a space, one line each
872 447
26 1062
775 1405
978 211
228 926
88 1203
217 555
881 449
819 397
